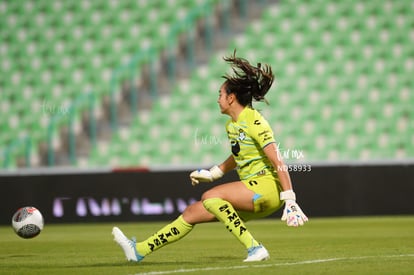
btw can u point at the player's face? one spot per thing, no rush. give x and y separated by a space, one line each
223 100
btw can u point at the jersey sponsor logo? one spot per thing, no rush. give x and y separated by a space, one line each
264 132
235 147
265 138
266 135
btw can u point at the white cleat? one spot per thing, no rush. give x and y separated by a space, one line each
257 254
127 245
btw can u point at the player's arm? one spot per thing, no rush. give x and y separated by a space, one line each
228 165
273 155
215 172
263 135
292 214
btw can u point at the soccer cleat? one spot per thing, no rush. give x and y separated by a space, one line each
127 245
256 254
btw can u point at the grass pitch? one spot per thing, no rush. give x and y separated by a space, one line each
363 245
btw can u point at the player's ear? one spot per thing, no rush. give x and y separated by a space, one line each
231 98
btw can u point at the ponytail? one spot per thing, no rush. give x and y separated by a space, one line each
248 82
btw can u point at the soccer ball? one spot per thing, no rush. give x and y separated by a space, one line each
27 222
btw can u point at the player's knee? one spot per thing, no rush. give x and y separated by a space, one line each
210 194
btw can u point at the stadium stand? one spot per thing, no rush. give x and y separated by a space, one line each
342 92
66 51
343 88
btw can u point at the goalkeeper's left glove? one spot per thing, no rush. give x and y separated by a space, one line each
202 175
292 213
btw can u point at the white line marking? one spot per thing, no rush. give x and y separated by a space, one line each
316 261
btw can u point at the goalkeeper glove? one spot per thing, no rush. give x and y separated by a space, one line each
292 213
202 175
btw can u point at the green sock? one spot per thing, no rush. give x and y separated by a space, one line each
168 234
225 213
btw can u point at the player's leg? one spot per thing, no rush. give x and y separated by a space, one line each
196 213
172 232
234 192
192 215
228 197
224 201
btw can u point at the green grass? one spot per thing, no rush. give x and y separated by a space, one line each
363 245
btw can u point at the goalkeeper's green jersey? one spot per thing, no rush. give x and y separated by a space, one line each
248 136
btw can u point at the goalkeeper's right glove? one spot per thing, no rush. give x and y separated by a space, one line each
292 213
202 175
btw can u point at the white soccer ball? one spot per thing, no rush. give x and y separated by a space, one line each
27 222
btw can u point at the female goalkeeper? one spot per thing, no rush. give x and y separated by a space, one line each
262 189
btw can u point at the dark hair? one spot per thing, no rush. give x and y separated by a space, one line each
248 82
